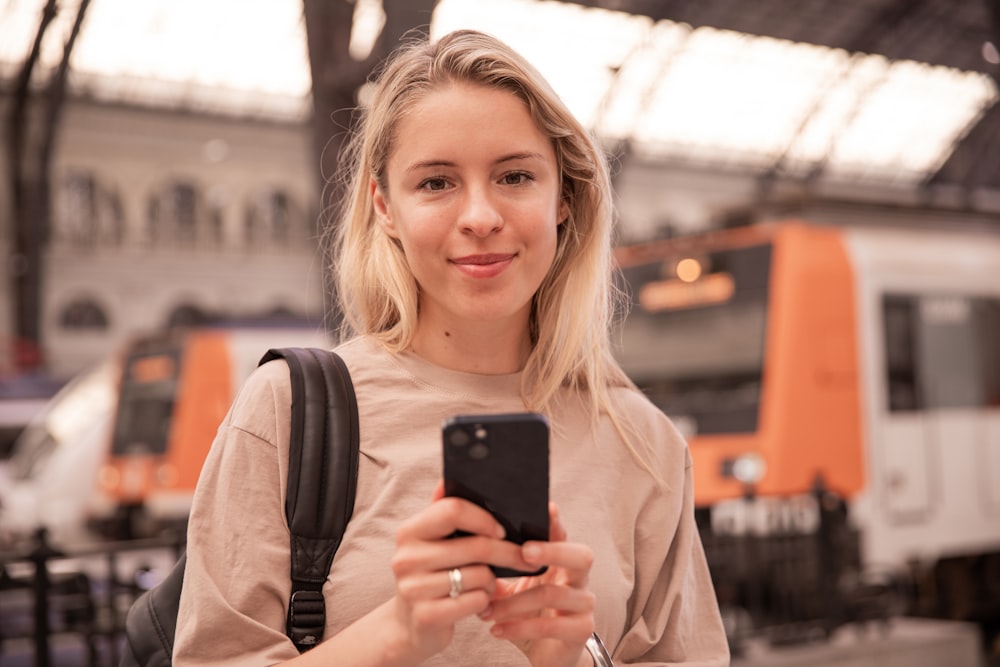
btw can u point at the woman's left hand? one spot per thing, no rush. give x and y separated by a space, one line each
549 616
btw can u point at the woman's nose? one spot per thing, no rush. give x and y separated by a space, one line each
479 215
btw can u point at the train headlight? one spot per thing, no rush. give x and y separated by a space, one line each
747 468
166 475
109 478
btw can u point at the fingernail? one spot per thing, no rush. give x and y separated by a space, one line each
531 552
501 533
496 631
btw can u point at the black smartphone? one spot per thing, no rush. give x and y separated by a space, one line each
501 463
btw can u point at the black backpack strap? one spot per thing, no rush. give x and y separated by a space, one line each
322 479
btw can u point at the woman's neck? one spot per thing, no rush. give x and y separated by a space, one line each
488 348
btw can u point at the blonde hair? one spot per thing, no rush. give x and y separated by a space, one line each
577 303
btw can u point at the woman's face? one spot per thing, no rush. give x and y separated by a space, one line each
473 196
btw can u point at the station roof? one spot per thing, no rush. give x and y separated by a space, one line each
896 92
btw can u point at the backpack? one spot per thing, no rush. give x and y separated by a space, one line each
322 480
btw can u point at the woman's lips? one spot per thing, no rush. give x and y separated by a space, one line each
483 266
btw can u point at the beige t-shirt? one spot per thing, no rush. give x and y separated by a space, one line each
655 602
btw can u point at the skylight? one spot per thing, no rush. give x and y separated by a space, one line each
721 97
703 95
247 57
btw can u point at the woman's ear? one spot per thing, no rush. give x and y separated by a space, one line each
563 211
381 208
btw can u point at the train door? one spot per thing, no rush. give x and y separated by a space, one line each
905 471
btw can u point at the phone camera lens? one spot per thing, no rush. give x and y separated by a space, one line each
480 433
479 451
459 438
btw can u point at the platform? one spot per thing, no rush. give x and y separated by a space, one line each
906 642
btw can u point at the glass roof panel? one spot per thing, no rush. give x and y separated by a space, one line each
736 95
909 121
579 61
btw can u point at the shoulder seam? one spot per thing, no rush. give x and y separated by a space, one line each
252 435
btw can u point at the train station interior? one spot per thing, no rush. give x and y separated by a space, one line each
807 198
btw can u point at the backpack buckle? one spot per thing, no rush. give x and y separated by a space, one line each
306 618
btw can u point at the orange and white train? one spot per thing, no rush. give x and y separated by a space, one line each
121 447
866 357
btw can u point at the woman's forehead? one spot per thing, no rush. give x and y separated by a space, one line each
457 120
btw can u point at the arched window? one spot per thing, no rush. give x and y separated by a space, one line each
83 314
274 218
177 214
182 211
186 315
87 212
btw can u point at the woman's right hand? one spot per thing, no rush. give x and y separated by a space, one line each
423 607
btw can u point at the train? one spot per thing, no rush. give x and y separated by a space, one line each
118 451
863 361
50 476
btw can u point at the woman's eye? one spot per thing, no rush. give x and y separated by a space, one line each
434 184
516 178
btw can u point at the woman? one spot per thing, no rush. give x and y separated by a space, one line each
474 271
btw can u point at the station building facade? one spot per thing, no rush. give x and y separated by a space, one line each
166 216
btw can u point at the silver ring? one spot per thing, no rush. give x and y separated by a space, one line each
455 580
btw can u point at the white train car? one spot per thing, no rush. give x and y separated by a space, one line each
929 336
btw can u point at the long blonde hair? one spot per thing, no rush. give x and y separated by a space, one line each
577 303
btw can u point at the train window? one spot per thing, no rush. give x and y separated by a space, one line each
941 351
710 384
146 404
900 352
948 354
986 320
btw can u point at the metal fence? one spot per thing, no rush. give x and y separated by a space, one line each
789 571
48 593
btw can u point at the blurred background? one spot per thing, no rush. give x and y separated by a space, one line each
809 231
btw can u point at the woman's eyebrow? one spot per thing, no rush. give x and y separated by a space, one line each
436 164
428 164
527 155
